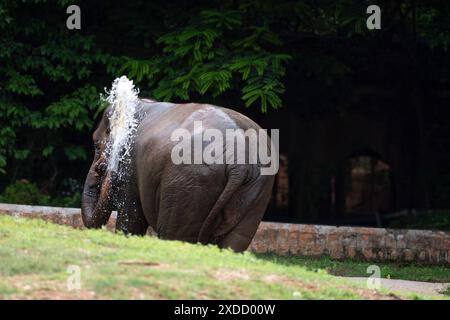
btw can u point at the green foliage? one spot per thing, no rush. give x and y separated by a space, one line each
215 54
70 201
262 53
24 192
46 84
70 196
435 26
446 292
73 110
439 220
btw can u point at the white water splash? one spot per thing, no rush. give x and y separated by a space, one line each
123 97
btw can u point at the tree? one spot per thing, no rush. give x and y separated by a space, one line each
265 54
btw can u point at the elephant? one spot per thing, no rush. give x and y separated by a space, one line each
220 204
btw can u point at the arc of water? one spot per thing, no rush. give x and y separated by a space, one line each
123 97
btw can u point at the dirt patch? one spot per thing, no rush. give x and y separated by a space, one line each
371 294
275 278
229 275
141 263
32 288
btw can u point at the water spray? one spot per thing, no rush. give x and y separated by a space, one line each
123 97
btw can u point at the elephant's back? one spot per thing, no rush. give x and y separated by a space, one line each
169 115
241 120
154 137
216 117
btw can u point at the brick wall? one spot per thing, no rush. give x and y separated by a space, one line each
371 244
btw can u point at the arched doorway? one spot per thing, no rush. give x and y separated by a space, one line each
362 190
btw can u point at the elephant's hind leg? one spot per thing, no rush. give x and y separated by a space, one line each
248 206
236 241
241 236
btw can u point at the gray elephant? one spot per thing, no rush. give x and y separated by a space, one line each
221 204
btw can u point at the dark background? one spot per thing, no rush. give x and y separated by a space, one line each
363 114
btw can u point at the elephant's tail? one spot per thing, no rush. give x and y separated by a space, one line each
236 177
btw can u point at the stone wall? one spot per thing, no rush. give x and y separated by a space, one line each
64 216
370 244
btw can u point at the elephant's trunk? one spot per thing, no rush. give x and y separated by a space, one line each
96 203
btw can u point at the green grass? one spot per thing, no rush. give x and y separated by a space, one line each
352 268
35 256
446 292
439 220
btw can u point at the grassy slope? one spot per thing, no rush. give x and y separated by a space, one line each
34 257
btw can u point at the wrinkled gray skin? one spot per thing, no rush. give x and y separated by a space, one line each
221 204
